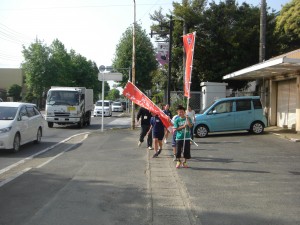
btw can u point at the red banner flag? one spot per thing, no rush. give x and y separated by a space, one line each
189 43
134 94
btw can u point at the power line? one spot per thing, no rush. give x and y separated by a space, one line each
80 7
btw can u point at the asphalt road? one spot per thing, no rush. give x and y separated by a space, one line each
244 179
52 136
104 178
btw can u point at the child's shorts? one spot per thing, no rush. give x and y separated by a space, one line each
187 149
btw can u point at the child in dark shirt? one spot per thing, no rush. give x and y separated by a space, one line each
157 129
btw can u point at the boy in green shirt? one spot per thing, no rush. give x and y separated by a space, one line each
182 124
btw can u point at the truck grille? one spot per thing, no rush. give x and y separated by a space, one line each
61 114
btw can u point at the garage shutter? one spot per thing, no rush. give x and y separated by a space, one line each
286 103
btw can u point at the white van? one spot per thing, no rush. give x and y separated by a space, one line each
106 109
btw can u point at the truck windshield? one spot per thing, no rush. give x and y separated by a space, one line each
63 98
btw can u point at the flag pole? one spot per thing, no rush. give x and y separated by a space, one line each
189 89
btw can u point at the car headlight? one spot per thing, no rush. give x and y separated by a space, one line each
5 130
50 113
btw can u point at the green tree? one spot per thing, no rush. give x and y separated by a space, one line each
288 26
145 57
54 66
113 94
60 64
37 69
15 92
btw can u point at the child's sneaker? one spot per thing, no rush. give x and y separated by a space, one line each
139 144
174 158
155 155
178 164
184 164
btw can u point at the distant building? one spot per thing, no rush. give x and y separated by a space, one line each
8 77
279 88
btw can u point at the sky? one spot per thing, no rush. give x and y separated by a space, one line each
92 28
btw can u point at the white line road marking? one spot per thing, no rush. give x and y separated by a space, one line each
14 176
39 153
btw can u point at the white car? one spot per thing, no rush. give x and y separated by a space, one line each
117 107
20 123
106 109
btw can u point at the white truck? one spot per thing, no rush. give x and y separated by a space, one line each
69 105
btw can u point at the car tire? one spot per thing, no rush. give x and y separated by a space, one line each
38 136
16 143
257 127
80 123
50 124
201 131
88 123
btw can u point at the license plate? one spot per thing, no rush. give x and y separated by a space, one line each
70 108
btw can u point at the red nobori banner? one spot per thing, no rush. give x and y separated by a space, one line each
134 94
188 43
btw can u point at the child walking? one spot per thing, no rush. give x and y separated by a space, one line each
182 124
157 128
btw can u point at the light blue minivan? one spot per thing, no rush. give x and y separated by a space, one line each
231 114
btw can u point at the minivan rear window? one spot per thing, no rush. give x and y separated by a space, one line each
257 104
243 105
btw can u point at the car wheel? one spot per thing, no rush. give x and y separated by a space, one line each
88 123
80 123
257 128
201 131
38 136
17 143
50 124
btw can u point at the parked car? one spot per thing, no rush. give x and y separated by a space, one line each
117 107
107 109
20 123
230 114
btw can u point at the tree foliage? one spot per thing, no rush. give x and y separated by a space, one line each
288 26
227 39
145 57
53 65
113 94
15 91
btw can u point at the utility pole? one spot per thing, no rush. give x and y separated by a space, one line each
133 67
262 36
170 61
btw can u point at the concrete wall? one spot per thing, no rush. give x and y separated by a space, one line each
8 77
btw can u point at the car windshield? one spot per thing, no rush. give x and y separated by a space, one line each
203 110
100 103
63 98
117 103
8 113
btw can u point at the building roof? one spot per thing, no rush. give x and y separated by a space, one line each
282 65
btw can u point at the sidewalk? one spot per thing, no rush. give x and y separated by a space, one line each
289 134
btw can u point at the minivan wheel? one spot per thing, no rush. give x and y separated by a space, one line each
257 128
17 143
201 131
